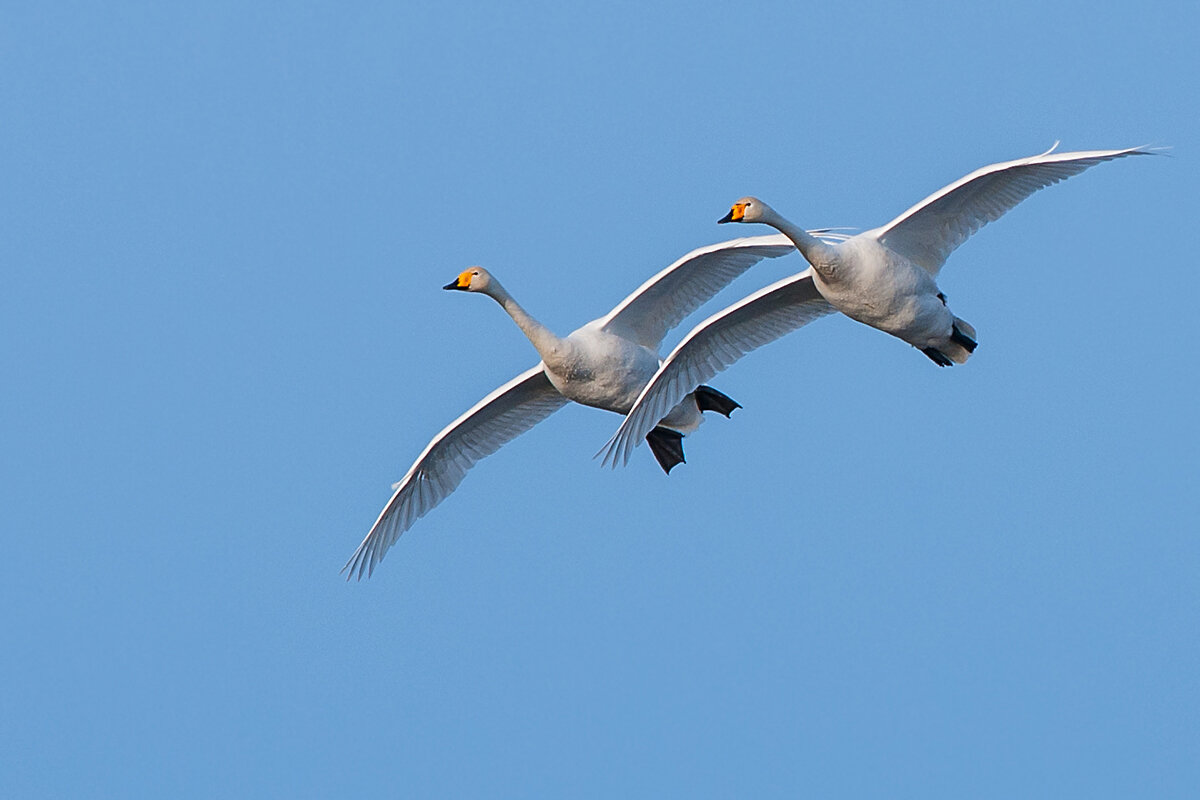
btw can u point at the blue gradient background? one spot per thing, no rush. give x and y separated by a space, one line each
225 229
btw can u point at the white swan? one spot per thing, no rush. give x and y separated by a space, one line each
603 364
883 277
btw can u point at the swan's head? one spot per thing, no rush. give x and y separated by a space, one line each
748 209
471 279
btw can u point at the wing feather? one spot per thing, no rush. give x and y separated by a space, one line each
714 345
662 302
929 232
491 423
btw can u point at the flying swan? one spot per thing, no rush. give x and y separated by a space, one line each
885 277
604 364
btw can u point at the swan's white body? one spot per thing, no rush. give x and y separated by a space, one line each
885 278
597 368
604 364
868 282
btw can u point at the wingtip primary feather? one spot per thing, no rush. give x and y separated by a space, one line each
613 451
605 452
1152 150
608 452
1053 147
354 565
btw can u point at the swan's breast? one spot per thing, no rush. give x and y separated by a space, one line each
881 288
602 370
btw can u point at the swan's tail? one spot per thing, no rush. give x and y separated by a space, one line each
958 347
709 399
962 334
667 446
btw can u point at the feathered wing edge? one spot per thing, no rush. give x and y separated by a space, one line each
666 298
713 346
494 421
929 231
663 301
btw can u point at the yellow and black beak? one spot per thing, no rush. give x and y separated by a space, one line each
462 282
735 214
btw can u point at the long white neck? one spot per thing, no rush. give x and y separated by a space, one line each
542 338
812 248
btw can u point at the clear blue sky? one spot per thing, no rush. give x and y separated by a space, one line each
225 231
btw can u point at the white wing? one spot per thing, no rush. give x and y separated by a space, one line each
929 231
662 302
713 346
494 421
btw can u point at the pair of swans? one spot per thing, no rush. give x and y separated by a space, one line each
884 277
605 364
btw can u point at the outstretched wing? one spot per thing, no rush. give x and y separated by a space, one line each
713 346
494 421
929 231
662 302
